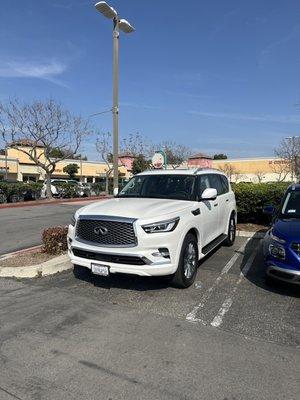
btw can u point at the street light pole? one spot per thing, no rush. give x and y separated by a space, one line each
115 110
123 25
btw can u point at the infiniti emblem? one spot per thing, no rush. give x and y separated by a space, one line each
100 230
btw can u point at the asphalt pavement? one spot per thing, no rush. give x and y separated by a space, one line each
78 336
22 227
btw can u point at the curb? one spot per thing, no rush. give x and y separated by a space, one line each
19 252
51 202
50 267
254 235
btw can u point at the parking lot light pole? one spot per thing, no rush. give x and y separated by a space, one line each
123 25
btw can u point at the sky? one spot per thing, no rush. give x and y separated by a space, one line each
218 76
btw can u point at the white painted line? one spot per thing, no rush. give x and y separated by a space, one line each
218 319
192 315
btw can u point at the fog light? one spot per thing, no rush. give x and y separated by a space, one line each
164 252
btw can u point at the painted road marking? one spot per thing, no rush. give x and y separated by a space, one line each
218 319
192 316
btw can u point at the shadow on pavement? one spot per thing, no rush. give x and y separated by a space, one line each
122 281
257 276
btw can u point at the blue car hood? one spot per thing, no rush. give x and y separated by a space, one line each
289 228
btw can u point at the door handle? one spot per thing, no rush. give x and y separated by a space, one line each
216 205
227 200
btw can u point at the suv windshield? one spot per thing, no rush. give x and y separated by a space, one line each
291 205
177 187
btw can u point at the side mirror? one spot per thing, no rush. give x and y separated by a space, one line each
269 210
209 194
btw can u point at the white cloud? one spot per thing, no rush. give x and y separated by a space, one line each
31 69
284 119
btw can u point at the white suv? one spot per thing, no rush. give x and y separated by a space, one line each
161 223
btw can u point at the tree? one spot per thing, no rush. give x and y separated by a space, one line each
176 153
37 128
281 168
135 144
71 170
260 175
57 153
231 171
220 156
289 150
140 164
104 148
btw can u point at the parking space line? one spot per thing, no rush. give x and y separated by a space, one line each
218 319
192 315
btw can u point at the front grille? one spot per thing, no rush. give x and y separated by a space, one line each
120 259
106 232
296 248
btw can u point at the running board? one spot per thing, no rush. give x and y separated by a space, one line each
212 245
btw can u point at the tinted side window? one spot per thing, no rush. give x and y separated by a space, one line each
203 183
225 183
216 183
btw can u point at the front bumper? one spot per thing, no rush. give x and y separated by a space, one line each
158 268
283 274
145 258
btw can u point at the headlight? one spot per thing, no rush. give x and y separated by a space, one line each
73 220
276 238
277 251
162 226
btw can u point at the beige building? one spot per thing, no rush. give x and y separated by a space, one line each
254 169
20 167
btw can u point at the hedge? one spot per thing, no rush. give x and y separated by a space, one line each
19 191
252 197
55 240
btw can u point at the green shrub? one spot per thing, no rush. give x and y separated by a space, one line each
252 197
98 187
20 191
67 190
55 240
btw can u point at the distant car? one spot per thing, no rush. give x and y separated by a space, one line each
58 190
282 242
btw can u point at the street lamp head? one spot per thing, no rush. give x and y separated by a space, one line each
106 10
125 26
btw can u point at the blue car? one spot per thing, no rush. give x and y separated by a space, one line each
281 244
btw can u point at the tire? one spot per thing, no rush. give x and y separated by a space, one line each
231 232
188 263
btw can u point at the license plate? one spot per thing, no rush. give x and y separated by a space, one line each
99 269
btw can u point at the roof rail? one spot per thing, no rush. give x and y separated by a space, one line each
206 169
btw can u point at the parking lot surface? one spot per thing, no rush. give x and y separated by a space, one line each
78 336
22 227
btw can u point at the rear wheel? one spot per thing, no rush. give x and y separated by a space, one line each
188 263
231 233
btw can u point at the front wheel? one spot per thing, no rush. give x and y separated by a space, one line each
231 233
188 263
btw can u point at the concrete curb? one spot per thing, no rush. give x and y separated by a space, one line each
254 235
50 267
19 252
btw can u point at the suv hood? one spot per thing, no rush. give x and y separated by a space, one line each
287 228
135 208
